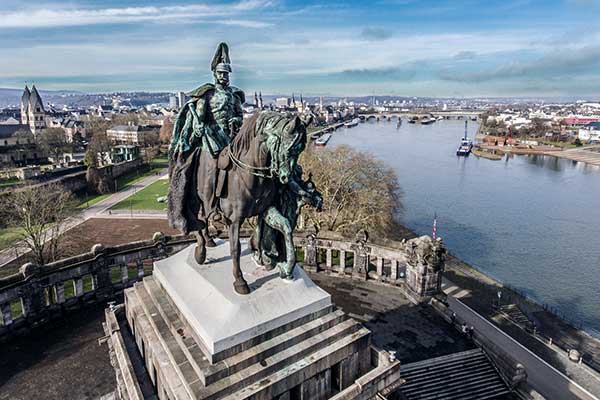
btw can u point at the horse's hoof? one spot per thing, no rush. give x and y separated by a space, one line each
286 276
241 287
200 254
210 243
269 267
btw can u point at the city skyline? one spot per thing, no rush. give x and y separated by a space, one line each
403 47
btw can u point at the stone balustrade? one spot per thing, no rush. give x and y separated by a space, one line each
37 294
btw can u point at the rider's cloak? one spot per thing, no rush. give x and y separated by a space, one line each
191 134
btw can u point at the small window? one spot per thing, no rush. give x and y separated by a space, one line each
88 283
115 274
69 287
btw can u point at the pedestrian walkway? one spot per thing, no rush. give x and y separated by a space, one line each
543 377
100 209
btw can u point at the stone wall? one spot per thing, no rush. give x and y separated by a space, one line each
36 294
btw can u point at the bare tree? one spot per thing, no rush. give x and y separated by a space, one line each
359 191
166 131
41 213
53 142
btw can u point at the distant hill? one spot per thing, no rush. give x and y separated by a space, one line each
12 97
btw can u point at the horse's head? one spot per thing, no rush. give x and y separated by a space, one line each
293 143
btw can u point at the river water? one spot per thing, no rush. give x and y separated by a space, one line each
530 221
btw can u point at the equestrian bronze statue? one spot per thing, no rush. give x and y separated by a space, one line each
218 173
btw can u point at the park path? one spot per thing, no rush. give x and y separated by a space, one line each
547 380
97 210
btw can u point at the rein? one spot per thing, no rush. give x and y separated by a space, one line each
252 170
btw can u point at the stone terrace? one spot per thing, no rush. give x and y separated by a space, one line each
415 332
64 360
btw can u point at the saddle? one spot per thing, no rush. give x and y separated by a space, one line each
223 165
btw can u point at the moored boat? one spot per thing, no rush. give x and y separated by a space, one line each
322 141
466 144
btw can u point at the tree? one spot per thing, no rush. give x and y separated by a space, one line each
40 212
100 146
149 154
359 191
166 131
53 142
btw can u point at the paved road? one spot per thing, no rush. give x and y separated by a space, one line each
97 210
544 378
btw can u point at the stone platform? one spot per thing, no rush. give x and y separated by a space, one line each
222 318
201 340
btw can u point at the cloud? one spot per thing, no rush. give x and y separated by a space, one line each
62 16
370 33
465 55
561 62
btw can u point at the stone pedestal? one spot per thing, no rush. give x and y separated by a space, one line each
201 340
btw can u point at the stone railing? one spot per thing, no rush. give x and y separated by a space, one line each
37 294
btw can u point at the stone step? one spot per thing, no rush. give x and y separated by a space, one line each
447 369
178 358
212 373
279 361
414 383
304 368
465 383
491 394
483 391
437 361
160 354
460 376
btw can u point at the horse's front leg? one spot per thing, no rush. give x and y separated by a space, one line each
240 285
277 221
200 250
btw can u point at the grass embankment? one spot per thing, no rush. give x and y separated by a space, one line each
146 199
125 181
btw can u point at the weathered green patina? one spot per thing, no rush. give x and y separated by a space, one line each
218 173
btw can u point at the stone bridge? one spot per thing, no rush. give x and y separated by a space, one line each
456 114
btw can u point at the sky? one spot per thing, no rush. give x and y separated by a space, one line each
443 48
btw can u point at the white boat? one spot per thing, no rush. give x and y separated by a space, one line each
352 123
322 141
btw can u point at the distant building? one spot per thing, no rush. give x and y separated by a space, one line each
181 99
133 134
282 102
17 145
173 102
32 110
590 132
124 152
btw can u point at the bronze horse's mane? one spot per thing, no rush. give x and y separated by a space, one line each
255 126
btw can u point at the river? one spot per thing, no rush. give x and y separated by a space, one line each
530 221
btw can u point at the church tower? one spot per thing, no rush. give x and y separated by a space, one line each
25 106
37 114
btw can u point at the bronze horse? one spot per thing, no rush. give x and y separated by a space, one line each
259 162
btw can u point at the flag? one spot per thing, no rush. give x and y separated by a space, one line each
434 230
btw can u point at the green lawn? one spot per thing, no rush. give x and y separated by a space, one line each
90 200
5 183
145 199
124 182
8 236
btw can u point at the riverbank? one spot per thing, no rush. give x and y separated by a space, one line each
586 154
